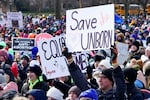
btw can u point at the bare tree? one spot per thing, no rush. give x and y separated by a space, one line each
143 4
126 8
95 2
58 8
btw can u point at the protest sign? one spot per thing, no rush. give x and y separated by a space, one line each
90 28
35 21
23 44
2 20
54 64
122 52
81 59
42 36
14 19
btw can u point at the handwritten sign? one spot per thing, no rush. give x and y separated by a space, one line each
23 44
122 52
14 19
54 64
81 59
42 36
90 31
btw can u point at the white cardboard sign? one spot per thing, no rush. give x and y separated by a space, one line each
14 19
90 28
54 64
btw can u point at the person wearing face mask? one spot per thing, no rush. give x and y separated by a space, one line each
134 50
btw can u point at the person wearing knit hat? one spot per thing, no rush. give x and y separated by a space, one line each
120 37
135 46
106 89
97 58
11 86
89 94
73 93
35 69
130 75
134 50
133 93
35 80
4 54
36 94
104 64
5 64
34 55
2 45
54 94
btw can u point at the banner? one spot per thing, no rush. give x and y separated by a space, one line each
54 64
14 19
22 44
90 28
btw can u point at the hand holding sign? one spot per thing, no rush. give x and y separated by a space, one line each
114 56
67 54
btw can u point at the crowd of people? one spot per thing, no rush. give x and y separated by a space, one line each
21 76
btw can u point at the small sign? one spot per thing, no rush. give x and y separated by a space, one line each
23 44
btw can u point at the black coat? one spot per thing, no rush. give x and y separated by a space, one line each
114 94
40 85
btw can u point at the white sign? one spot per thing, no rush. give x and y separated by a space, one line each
90 28
81 59
14 19
2 21
54 64
35 20
122 52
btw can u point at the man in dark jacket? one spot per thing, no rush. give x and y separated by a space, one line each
132 92
106 80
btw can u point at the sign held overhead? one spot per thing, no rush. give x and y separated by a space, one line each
90 28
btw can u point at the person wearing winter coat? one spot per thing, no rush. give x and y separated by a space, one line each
35 80
36 94
106 80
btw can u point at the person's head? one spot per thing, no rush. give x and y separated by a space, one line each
105 80
3 55
34 52
120 37
11 86
24 60
34 72
104 64
20 98
36 94
54 94
130 75
135 46
89 94
97 59
74 93
2 45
